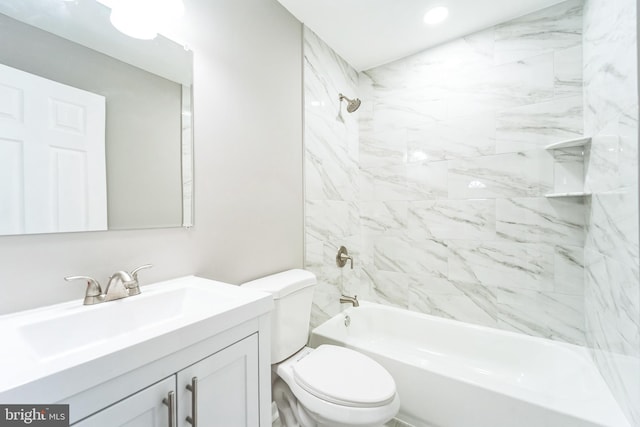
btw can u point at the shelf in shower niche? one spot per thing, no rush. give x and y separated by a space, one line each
570 194
575 142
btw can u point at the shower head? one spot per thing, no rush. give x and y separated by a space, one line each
352 104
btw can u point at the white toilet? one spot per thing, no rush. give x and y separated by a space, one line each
328 386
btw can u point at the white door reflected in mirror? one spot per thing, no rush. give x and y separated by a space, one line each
52 156
148 84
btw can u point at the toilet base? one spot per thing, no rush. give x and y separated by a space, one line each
292 414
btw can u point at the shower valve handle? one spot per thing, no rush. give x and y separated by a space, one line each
343 257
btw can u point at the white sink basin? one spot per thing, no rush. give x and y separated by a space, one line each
59 331
41 342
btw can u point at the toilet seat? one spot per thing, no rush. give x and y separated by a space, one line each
329 413
344 377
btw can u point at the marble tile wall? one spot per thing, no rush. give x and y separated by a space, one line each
453 177
612 279
331 171
436 184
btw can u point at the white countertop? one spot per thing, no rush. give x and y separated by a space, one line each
40 346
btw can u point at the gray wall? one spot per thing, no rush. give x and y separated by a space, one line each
143 122
248 170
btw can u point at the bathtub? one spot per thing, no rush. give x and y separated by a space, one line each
454 374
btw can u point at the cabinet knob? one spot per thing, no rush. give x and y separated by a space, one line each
193 388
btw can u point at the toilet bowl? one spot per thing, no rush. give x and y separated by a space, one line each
334 386
328 386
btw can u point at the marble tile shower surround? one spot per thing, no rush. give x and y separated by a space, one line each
612 279
330 168
436 184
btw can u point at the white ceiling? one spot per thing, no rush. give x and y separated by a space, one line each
368 33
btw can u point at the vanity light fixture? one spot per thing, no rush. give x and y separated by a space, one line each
142 19
436 15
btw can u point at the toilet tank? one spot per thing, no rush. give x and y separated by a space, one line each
292 292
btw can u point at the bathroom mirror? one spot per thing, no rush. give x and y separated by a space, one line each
95 126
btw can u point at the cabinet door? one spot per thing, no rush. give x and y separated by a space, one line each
143 409
225 387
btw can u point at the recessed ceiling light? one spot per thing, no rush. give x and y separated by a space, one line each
436 15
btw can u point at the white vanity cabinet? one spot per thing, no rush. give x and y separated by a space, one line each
143 409
221 390
206 342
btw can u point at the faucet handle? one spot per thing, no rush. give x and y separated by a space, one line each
134 273
94 290
134 286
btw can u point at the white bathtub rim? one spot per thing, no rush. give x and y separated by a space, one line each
518 335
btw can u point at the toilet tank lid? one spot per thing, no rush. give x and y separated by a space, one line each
284 283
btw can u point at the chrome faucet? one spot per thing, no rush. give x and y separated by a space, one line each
118 287
94 294
351 300
121 285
